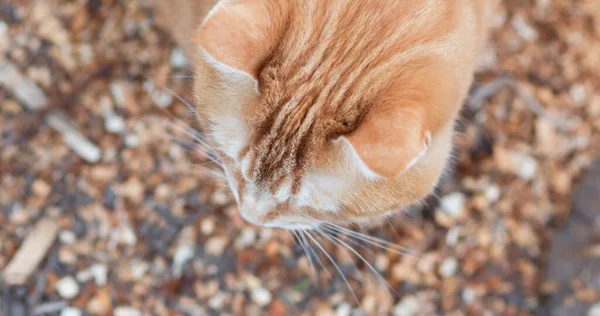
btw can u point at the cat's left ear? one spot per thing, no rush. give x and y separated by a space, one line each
242 34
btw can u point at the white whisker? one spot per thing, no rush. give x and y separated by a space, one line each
181 76
200 141
333 239
181 99
211 171
380 243
312 265
307 242
336 267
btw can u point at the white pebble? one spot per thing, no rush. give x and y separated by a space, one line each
215 246
128 236
408 306
246 238
183 254
207 226
71 311
115 124
594 310
3 29
468 295
492 193
118 92
343 309
83 147
261 296
218 301
448 267
71 136
84 275
161 97
132 140
578 94
139 269
178 59
524 29
452 236
67 287
127 311
454 204
526 166
67 237
100 273
25 91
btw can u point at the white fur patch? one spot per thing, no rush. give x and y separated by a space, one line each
426 145
229 72
354 160
231 134
322 191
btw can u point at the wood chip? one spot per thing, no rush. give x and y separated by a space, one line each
31 252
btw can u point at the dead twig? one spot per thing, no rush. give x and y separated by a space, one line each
481 94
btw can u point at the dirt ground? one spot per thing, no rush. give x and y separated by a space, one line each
108 206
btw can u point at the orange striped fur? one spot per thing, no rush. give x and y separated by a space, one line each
337 110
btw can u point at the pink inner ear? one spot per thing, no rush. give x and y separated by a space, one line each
391 139
241 34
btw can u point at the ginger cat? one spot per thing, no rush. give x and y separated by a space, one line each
329 111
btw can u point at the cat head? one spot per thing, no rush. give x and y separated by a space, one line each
331 111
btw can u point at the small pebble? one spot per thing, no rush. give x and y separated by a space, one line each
454 204
118 92
127 311
114 123
468 295
594 310
139 269
408 306
183 254
71 311
246 238
344 309
3 29
261 296
100 273
526 166
132 141
216 246
84 275
218 301
128 236
67 287
67 237
524 29
578 94
448 267
207 226
452 236
492 193
163 98
178 59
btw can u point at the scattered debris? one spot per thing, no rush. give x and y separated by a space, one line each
67 287
31 253
139 214
25 91
77 142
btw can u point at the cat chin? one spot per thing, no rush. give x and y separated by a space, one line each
291 226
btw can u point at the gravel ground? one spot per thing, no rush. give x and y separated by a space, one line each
107 206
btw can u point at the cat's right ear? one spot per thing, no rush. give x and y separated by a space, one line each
240 35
